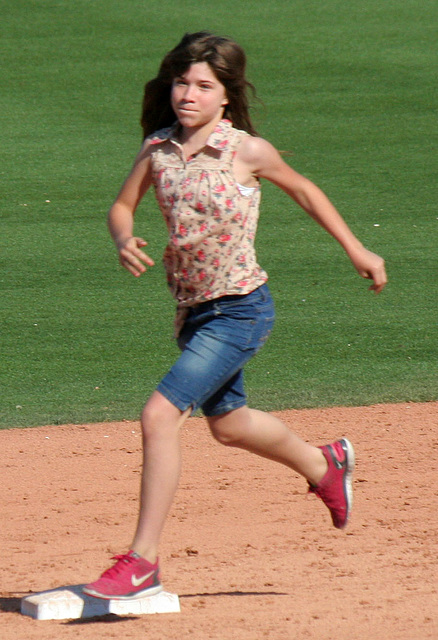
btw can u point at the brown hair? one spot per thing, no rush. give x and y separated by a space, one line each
227 61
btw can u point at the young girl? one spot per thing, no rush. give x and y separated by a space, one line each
205 161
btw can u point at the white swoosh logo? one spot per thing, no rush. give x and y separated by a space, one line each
138 581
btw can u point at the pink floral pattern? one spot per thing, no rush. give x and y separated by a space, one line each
211 225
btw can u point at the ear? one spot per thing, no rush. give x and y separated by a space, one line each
224 102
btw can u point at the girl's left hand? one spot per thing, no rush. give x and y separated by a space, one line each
371 266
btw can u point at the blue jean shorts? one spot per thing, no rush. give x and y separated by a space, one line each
217 339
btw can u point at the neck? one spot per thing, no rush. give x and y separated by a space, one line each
196 137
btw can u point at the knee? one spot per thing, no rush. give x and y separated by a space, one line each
150 419
223 432
159 417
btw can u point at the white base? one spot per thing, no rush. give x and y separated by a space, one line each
68 603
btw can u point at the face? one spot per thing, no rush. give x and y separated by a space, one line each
198 97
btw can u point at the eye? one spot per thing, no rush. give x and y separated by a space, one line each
179 82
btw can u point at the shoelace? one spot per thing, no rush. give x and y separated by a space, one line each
119 567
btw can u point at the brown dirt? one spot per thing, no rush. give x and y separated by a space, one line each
250 555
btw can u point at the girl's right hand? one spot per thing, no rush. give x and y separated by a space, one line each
132 258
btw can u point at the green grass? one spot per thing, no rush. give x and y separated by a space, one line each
347 90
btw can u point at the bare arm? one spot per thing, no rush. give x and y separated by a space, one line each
264 161
121 217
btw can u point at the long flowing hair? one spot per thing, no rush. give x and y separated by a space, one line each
228 62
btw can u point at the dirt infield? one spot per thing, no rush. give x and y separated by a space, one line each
250 555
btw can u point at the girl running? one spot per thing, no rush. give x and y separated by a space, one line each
204 160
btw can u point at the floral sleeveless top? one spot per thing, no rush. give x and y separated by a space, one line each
211 224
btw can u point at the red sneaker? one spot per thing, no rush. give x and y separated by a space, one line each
131 577
336 489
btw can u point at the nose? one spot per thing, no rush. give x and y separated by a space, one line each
188 93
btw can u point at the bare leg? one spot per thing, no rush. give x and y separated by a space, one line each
161 422
249 429
265 435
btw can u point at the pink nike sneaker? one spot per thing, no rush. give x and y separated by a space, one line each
336 488
131 577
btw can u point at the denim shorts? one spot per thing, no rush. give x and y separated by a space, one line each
217 339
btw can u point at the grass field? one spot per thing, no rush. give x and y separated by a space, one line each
348 90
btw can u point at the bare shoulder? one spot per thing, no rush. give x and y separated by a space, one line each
139 178
257 153
143 158
253 147
146 149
